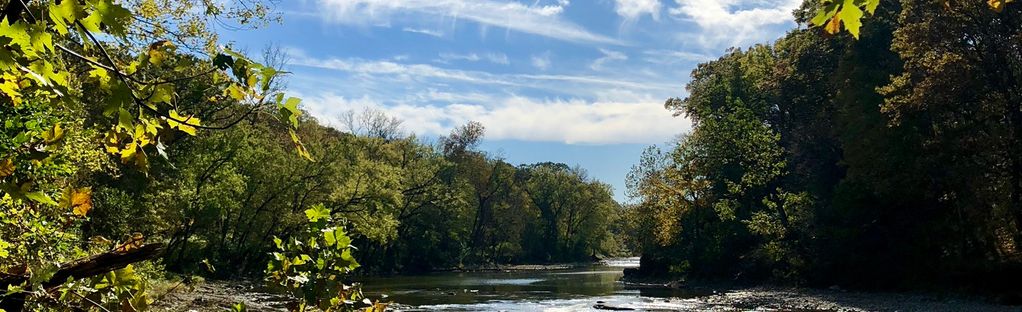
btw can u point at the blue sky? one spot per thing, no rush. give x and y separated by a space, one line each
572 81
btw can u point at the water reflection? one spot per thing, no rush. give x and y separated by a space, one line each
573 290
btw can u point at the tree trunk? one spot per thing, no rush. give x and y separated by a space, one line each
78 269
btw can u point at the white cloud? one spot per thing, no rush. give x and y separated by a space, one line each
641 120
670 57
380 67
542 20
541 61
734 22
608 56
392 73
428 32
631 10
496 58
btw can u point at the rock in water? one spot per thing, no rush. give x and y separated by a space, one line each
611 308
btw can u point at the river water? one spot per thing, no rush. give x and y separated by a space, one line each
586 288
577 289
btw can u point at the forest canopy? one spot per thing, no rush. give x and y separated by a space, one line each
884 162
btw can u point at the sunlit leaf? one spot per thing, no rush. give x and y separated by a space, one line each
134 241
6 168
40 197
106 13
54 135
159 51
316 213
163 93
851 15
184 123
79 200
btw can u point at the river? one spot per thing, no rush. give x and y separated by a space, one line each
586 288
576 289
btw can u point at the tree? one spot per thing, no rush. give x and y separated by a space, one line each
46 44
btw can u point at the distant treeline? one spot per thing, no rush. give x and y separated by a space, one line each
411 205
894 160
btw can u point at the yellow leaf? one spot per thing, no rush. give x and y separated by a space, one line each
998 5
10 87
128 153
135 241
299 147
236 92
834 26
183 123
112 142
6 168
80 201
53 135
158 51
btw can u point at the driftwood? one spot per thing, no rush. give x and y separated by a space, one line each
82 268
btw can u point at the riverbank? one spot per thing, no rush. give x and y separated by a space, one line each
218 296
802 299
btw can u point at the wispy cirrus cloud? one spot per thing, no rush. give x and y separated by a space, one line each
578 85
608 56
550 107
424 31
492 57
671 57
542 20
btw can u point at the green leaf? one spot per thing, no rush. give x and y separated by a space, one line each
163 93
100 75
871 6
223 61
104 12
343 241
328 236
289 110
40 197
851 15
124 120
4 249
825 14
42 41
18 33
317 212
349 260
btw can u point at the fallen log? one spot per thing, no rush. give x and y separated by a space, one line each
81 268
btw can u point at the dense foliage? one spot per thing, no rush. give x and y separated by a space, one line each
892 160
118 148
410 205
93 94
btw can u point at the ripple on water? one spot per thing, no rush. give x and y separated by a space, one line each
511 281
565 305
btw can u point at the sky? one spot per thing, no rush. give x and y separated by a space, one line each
571 81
